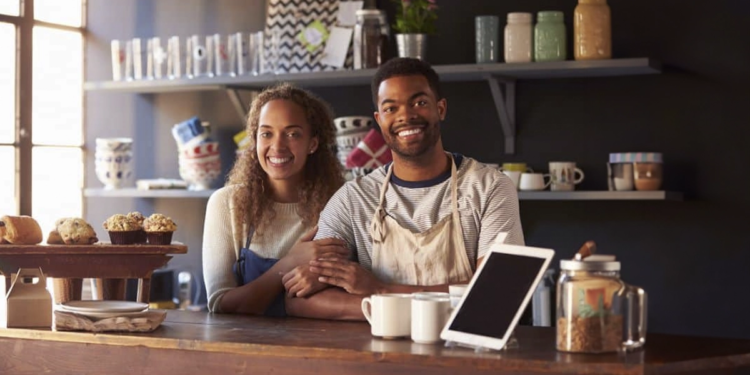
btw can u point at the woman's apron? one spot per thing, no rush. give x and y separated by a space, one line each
250 266
434 257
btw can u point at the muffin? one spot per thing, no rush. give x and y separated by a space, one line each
159 229
122 229
138 218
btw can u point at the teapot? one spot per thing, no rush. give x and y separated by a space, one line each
596 311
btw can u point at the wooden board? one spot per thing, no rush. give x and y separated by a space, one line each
97 248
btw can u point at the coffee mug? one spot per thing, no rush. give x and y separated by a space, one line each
620 176
562 175
516 167
456 292
389 315
429 313
514 176
533 181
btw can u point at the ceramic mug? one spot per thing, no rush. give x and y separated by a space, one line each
562 175
456 292
516 167
429 313
514 176
389 315
533 181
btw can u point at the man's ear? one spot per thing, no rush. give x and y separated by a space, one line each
442 106
377 119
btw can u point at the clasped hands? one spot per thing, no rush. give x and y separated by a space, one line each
327 265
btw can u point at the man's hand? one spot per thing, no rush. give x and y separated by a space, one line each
300 282
347 275
306 249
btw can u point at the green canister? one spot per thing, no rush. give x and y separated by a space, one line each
549 37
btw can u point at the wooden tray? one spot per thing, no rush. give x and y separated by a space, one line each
97 248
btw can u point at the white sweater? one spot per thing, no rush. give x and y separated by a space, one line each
223 239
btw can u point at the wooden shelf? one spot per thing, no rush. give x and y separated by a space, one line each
135 193
448 73
600 195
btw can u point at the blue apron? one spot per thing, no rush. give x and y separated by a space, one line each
250 266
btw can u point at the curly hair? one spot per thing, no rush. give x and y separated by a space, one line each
404 66
322 174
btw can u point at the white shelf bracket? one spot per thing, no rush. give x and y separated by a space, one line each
239 105
504 95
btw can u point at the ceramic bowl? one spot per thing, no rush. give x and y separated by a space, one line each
113 168
200 173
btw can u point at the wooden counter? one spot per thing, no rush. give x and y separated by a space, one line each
199 343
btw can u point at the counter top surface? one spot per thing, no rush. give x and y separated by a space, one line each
299 341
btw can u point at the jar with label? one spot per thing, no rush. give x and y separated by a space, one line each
596 311
549 37
518 38
370 38
592 35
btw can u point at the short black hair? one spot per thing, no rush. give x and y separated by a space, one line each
403 66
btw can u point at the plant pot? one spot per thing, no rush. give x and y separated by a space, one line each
412 45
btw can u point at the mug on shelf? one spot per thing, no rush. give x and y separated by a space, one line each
534 181
562 175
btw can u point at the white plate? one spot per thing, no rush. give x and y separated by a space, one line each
103 306
102 315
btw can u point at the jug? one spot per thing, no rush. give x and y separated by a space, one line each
596 311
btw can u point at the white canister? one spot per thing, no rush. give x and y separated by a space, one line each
518 38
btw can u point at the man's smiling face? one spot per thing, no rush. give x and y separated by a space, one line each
409 115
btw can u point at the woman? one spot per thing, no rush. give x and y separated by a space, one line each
261 224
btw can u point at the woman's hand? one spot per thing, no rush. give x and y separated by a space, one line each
300 282
306 249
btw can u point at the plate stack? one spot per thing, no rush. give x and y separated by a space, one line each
104 309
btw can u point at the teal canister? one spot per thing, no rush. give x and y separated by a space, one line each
549 37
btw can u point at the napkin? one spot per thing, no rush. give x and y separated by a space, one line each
371 152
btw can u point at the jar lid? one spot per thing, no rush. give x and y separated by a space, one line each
519 17
550 15
635 157
369 12
589 265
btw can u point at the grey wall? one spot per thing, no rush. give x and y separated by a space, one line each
149 118
692 257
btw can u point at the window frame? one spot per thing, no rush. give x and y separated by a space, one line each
23 126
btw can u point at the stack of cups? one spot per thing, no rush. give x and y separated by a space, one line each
114 161
198 157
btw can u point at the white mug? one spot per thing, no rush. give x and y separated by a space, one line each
456 292
562 175
533 181
429 313
389 315
514 176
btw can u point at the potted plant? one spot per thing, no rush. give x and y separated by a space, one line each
415 19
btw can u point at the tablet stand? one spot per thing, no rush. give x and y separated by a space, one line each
511 344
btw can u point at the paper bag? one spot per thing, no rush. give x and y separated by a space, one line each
29 304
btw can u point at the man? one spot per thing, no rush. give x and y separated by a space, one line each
421 223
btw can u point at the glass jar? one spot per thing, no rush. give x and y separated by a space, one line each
549 37
596 311
592 36
647 176
370 38
518 38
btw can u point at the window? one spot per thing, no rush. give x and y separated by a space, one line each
42 96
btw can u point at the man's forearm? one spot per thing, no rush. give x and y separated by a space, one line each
331 303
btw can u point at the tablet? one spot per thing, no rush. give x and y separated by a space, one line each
497 295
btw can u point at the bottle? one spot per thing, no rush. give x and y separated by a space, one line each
518 38
549 37
592 36
370 38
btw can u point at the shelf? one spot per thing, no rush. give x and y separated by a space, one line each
500 77
135 193
448 73
600 195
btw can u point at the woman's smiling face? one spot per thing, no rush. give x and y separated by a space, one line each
284 141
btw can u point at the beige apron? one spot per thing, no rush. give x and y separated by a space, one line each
433 257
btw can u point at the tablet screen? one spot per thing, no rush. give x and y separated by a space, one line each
497 294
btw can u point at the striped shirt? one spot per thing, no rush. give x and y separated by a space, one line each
487 205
